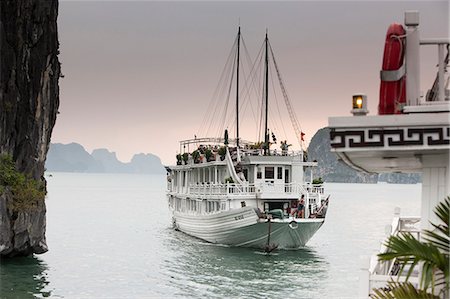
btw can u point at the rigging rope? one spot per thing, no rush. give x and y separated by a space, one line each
293 117
218 115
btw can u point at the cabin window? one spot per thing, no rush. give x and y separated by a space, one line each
259 173
245 171
269 173
279 173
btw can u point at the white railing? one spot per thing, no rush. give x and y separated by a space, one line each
315 188
273 152
379 273
399 225
249 189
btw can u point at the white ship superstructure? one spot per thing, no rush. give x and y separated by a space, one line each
413 137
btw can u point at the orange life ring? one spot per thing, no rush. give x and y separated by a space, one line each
393 79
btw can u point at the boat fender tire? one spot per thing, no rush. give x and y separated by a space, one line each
293 224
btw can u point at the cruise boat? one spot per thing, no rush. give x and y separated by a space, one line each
247 194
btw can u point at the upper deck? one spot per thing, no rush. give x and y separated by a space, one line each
386 143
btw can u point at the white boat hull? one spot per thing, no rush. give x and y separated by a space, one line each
243 228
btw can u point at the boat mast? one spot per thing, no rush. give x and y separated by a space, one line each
266 134
237 88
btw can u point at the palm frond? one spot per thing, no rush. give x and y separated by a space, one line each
440 241
433 255
401 290
406 248
442 211
409 252
440 236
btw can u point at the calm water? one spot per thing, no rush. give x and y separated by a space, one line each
110 236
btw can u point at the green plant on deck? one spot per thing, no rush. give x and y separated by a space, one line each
185 157
432 254
229 180
26 192
208 154
318 181
179 157
196 156
222 152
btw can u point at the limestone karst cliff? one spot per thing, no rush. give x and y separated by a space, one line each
29 100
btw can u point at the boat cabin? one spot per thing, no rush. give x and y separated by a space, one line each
245 177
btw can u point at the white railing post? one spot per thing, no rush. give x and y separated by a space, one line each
364 277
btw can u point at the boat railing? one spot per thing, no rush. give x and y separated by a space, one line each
315 188
380 272
289 188
274 152
233 189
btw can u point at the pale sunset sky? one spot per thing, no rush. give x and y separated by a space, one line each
139 75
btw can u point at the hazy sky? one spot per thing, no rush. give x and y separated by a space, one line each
140 75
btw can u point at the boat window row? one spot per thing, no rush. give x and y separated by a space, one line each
269 172
196 206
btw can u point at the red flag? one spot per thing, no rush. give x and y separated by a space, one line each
301 136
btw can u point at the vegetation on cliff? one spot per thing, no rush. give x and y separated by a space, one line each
26 192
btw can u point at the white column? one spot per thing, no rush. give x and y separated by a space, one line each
412 58
188 180
435 186
441 58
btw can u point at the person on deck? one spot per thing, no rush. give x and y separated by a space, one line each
294 205
301 207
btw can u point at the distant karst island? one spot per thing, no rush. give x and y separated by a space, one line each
73 157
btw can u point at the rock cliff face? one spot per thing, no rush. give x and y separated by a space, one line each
330 168
29 100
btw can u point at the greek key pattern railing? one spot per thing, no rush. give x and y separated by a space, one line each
398 137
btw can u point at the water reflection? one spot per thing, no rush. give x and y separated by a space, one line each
204 270
23 277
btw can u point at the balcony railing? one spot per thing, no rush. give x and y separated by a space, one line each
379 273
231 189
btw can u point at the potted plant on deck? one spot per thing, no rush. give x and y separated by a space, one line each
185 158
179 157
209 155
318 181
196 156
222 153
